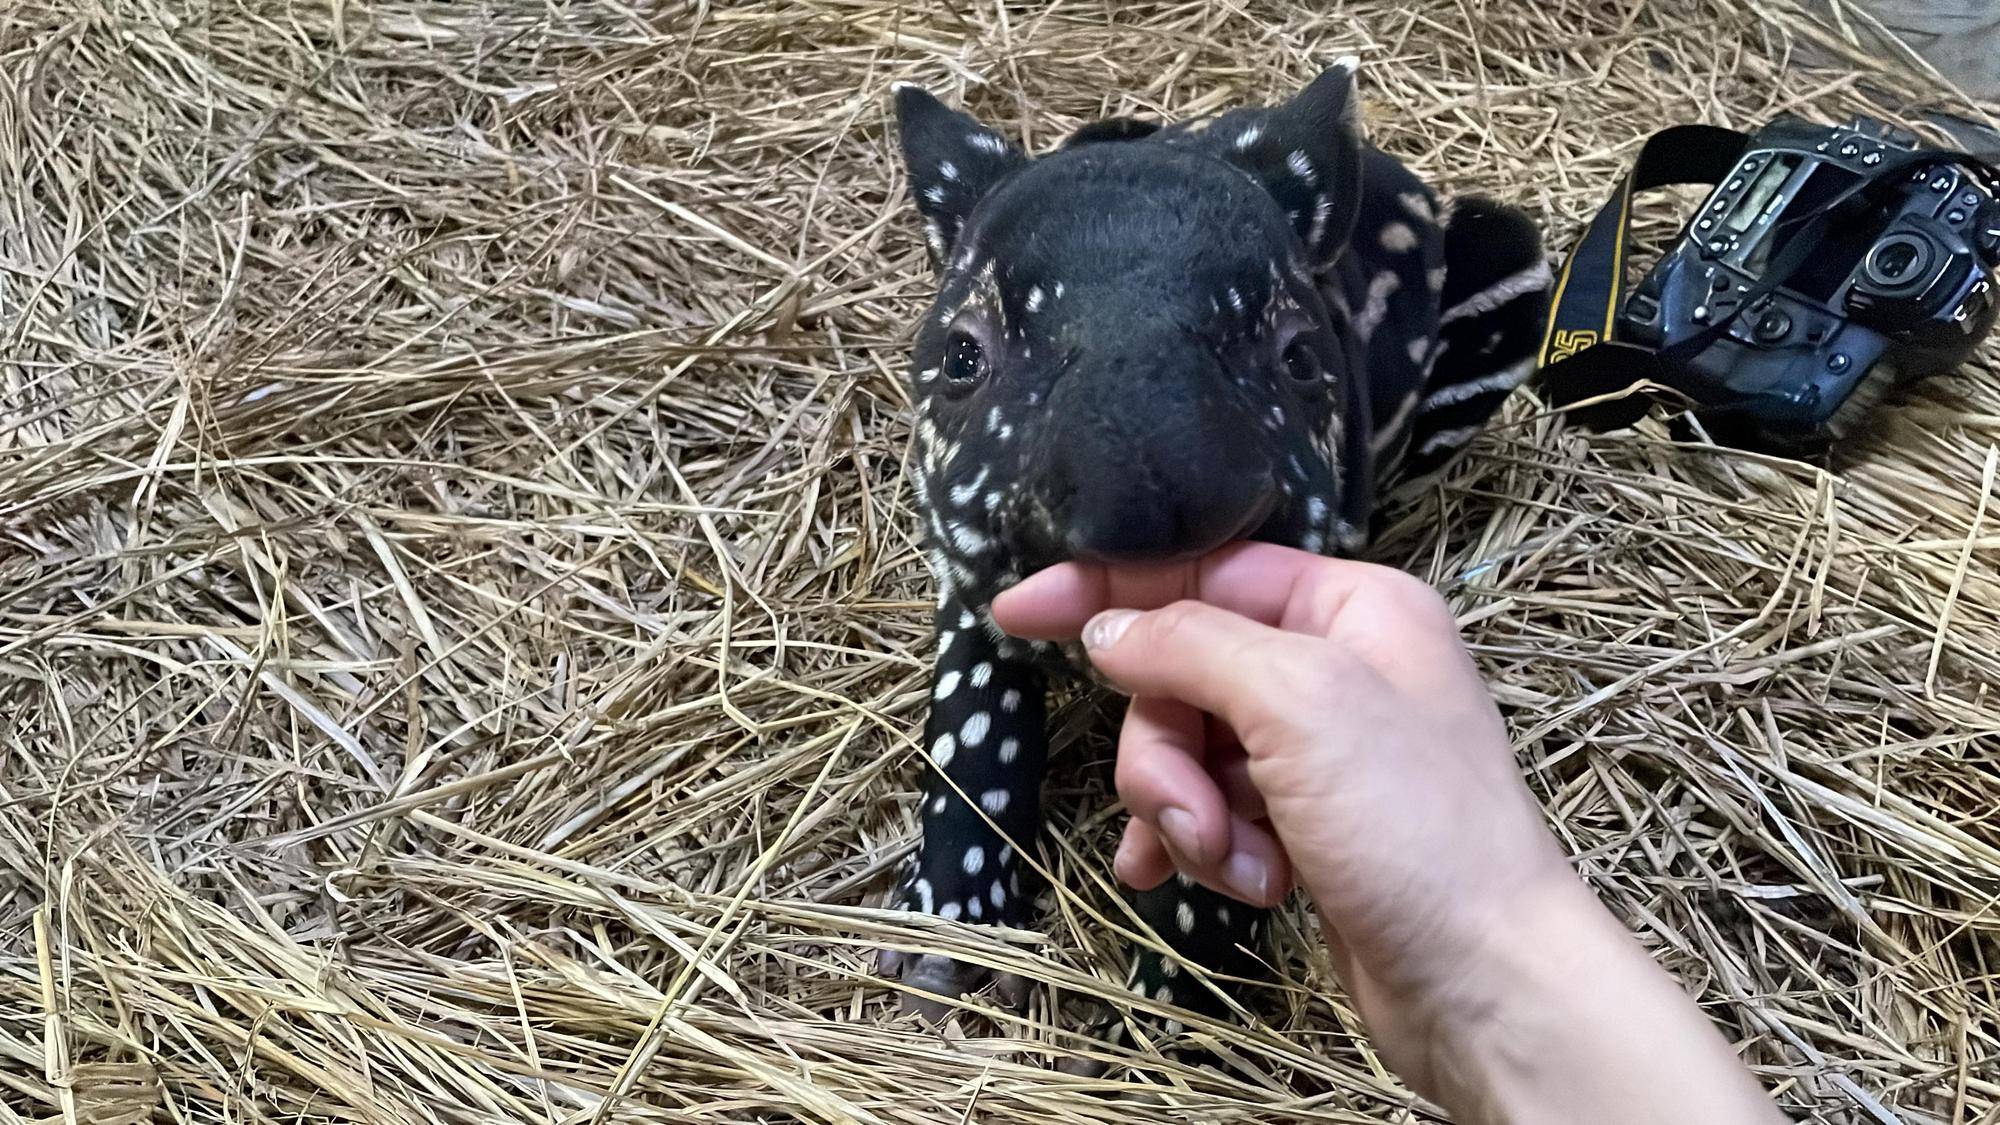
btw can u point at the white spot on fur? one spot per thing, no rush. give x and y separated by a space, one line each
946 684
1534 279
987 141
974 861
935 193
949 911
1448 439
975 728
934 235
1010 701
1301 166
982 673
968 540
1250 135
960 493
974 908
1505 379
1010 748
992 500
1184 918
1417 206
1315 510
937 805
1222 915
1034 301
998 895
1370 317
948 170
1419 348
1235 298
1398 238
943 750
995 800
923 889
1436 279
1392 430
1006 854
1059 290
1313 542
927 374
1322 213
1006 432
966 620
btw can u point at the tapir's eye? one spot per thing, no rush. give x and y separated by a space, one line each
964 357
1302 362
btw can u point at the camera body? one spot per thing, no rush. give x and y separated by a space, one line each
1899 286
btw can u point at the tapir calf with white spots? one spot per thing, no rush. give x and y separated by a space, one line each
1145 344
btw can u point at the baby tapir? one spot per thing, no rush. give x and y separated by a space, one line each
1148 343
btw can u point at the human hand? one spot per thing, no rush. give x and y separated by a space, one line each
1301 718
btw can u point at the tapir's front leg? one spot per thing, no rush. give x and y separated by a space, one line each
987 750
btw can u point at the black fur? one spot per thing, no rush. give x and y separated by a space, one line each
1150 342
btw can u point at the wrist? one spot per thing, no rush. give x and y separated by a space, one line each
1571 1020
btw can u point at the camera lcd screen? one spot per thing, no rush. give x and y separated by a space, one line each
1842 241
1766 185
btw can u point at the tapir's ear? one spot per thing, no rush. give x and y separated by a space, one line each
952 160
1307 154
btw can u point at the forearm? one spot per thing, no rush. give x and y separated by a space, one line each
1580 1025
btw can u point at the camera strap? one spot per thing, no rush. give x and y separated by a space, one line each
1581 359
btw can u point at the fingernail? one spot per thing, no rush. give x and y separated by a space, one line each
1247 877
1182 833
1104 630
1123 858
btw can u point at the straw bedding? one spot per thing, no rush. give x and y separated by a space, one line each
461 635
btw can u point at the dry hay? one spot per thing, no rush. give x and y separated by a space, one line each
461 638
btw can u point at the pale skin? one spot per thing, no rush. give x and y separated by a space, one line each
1309 721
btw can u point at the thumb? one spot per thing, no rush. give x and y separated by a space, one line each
1248 674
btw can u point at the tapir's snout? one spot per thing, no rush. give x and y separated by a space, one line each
1153 457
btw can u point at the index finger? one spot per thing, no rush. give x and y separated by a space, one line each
1277 586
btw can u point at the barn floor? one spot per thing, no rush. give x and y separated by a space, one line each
461 635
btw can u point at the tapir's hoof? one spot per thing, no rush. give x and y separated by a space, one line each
936 980
1081 1067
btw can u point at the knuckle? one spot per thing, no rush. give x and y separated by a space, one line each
1172 623
1407 596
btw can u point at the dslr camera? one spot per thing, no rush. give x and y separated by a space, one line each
1828 267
